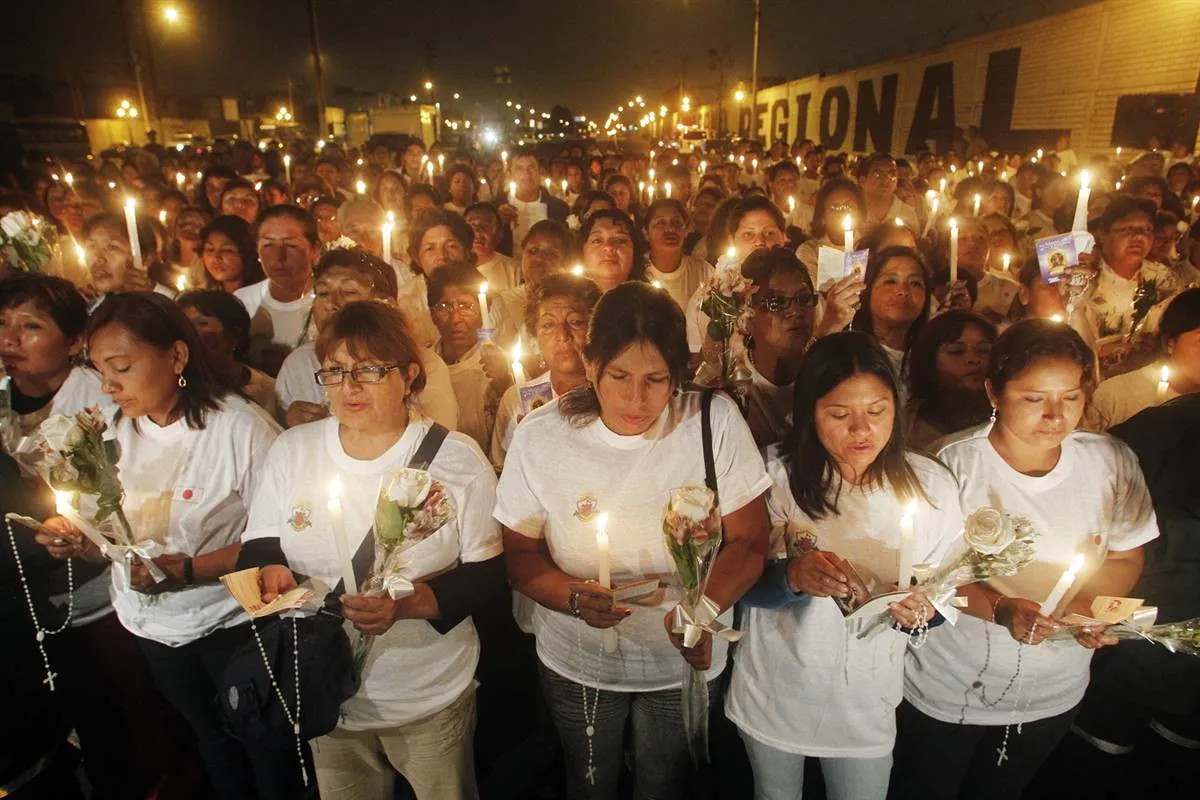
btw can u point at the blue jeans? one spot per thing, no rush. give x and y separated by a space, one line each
780 776
661 763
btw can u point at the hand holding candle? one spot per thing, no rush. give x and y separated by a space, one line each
953 251
1063 586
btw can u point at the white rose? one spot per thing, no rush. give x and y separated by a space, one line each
409 488
13 223
56 430
692 503
988 531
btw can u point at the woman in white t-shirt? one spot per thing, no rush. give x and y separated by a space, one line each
557 320
612 249
415 709
803 685
895 305
190 456
344 276
680 275
987 700
619 447
544 252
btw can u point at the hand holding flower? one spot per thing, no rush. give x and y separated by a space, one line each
698 657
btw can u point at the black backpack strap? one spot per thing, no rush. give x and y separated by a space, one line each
430 445
710 467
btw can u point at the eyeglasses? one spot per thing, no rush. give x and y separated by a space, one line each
841 208
778 303
463 307
337 375
1134 230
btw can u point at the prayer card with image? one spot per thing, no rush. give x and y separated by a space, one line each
1056 254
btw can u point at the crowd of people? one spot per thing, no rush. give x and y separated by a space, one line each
527 325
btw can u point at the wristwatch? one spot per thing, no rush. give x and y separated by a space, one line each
189 572
573 603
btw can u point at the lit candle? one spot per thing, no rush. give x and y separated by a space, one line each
942 186
1195 203
1064 583
181 284
641 190
62 503
512 191
791 205
360 187
953 250
899 223
80 254
429 169
483 304
162 216
703 167
1118 151
563 184
1081 205
979 167
667 189
345 564
1056 317
441 162
848 234
907 545
135 246
978 199
754 165
287 168
546 183
1164 383
651 174
603 568
577 270
389 223
70 179
933 210
656 284
1039 154
180 179
504 159
1006 259
650 192
517 367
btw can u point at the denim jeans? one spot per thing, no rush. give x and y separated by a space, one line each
780 776
661 762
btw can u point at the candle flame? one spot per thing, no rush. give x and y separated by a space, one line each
910 511
181 283
483 288
391 218
62 501
1165 374
162 216
847 223
516 356
1085 179
577 270
953 225
1077 564
1056 317
601 524
360 187
899 222
130 203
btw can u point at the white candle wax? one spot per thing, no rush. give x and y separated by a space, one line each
1064 583
848 234
791 204
1164 383
345 564
386 233
603 568
1006 260
512 192
978 199
518 368
135 246
667 189
907 544
953 250
1081 205
483 305
287 169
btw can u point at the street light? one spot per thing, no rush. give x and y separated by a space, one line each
428 86
739 95
456 95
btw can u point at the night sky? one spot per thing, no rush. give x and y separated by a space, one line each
587 56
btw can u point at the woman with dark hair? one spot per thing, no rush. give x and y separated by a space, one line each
229 254
557 319
212 186
420 198
344 276
613 250
189 452
544 252
778 335
589 201
895 304
1117 399
964 731
240 198
803 684
460 186
109 257
183 251
835 200
438 238
414 709
717 240
623 193
619 446
678 274
224 329
946 370
1048 210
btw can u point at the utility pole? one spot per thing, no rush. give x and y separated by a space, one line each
316 51
754 74
135 65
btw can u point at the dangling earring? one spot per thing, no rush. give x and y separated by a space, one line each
182 381
994 412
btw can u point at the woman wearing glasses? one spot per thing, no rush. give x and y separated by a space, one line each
414 712
778 335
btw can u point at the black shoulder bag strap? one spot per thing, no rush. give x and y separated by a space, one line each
710 466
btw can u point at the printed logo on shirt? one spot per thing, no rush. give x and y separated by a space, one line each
188 494
585 508
800 540
301 518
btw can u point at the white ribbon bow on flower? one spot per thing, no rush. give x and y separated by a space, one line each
122 556
397 586
694 622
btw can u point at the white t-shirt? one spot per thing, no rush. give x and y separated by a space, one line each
501 272
681 284
476 409
276 328
1093 501
190 490
1117 399
557 478
898 208
412 671
297 382
769 408
527 215
801 683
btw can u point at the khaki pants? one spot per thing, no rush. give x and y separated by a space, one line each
434 754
